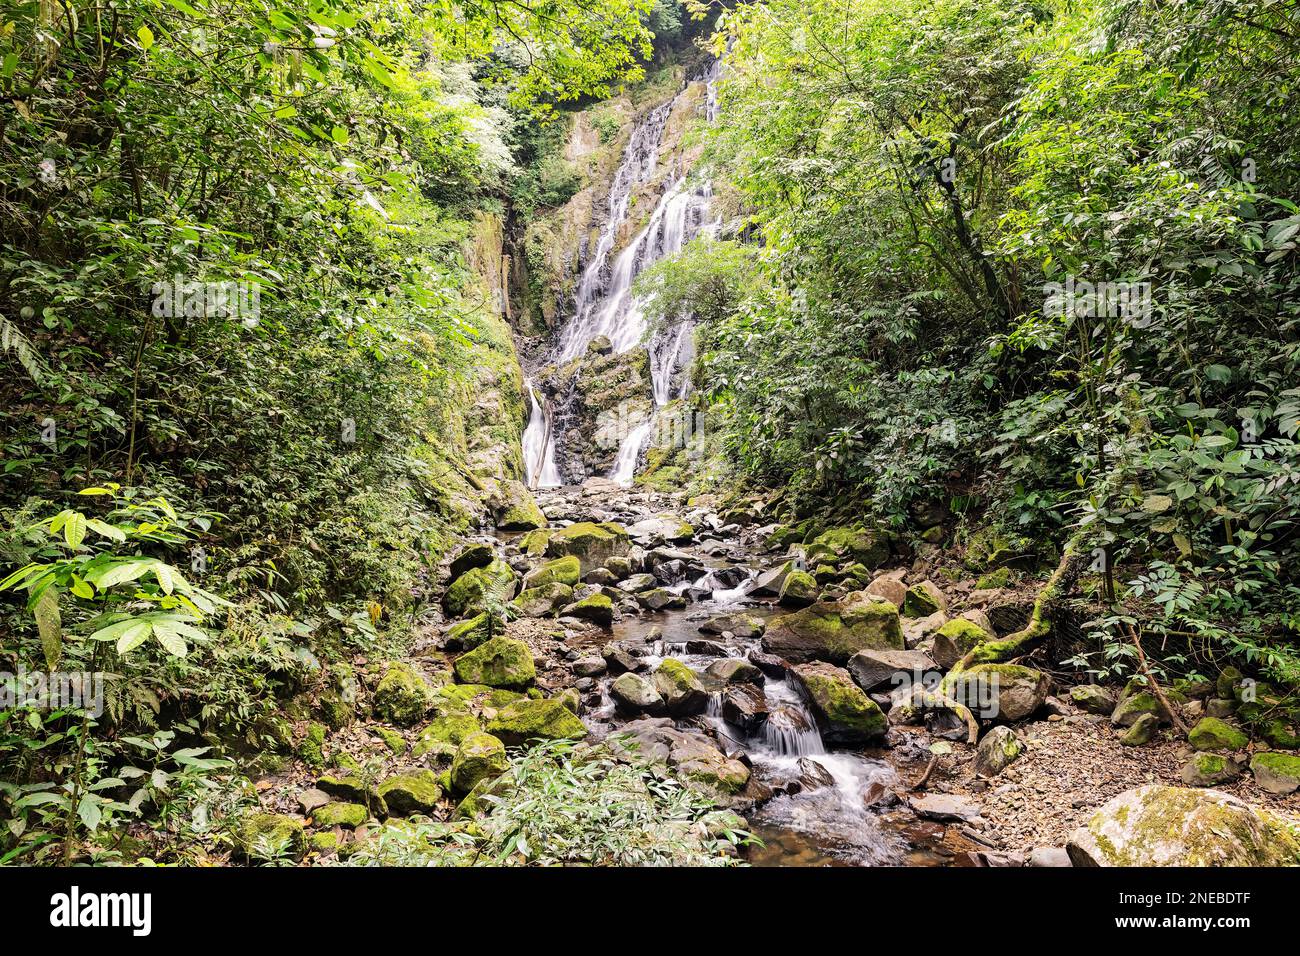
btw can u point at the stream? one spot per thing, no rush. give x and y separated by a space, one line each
816 805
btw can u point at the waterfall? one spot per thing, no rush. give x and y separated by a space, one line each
539 445
603 302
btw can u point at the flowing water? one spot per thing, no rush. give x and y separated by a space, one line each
604 304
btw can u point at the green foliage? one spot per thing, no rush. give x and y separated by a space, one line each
559 804
920 177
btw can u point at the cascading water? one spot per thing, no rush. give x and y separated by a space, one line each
539 445
604 304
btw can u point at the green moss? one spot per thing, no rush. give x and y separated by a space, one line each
957 638
994 579
444 734
543 600
267 836
348 815
920 602
1210 733
324 843
834 631
414 792
464 598
597 608
392 739
566 570
798 589
523 513
592 544
480 756
846 713
857 543
527 719
534 543
311 749
403 696
500 662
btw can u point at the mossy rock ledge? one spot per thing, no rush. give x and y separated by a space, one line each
834 631
1156 825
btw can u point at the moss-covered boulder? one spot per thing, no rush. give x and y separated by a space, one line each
923 599
464 598
311 749
529 719
270 836
845 715
566 570
1000 691
1209 770
596 608
500 662
740 624
635 694
1133 706
799 589
592 544
1276 772
1141 732
470 633
534 543
480 756
997 750
416 791
473 555
862 545
519 512
444 734
346 815
1093 699
403 696
834 631
681 690
1175 826
955 639
544 600
351 789
994 580
1210 733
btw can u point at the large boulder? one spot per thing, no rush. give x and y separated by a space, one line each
889 587
403 696
1209 770
799 589
413 792
681 690
635 694
745 706
566 570
443 735
519 511
661 528
845 714
735 670
864 545
543 600
592 544
465 596
956 639
500 662
471 556
596 608
526 719
874 669
1210 733
1156 825
1093 699
739 624
1276 772
1000 691
834 630
923 599
266 836
480 756
768 583
656 740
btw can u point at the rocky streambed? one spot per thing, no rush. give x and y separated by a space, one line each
791 675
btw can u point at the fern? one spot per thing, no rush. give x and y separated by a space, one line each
496 601
13 340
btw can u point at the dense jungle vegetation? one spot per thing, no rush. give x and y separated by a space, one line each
1031 264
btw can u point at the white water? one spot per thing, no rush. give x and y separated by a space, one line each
604 304
539 445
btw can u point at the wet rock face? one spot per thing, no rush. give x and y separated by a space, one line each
845 715
598 397
1173 826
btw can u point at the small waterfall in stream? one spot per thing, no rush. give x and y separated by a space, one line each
603 302
539 445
